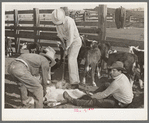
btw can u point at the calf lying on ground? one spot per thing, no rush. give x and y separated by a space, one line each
32 47
55 92
8 47
129 60
140 64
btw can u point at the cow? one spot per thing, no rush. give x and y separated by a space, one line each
93 52
32 47
140 64
86 44
8 47
92 58
129 60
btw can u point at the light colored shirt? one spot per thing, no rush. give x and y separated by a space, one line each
67 31
120 88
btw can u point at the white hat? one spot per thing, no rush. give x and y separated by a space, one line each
50 54
58 16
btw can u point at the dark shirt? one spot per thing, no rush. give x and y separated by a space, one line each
37 63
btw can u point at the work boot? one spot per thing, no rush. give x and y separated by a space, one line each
74 86
68 97
29 103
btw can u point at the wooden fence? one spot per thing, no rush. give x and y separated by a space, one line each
43 30
34 30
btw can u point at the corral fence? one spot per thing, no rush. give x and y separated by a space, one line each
35 26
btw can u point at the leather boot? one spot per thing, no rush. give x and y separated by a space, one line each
74 86
68 97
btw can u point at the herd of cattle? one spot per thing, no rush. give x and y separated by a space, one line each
96 55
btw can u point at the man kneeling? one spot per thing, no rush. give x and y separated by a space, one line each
112 95
25 68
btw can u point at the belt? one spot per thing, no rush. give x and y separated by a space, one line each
119 104
21 60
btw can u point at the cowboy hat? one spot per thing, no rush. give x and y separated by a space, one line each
50 54
58 16
117 65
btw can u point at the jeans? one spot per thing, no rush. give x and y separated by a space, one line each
72 61
27 82
109 102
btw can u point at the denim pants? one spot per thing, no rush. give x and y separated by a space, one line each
72 61
27 82
109 102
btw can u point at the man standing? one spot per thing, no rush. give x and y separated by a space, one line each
25 68
69 35
116 94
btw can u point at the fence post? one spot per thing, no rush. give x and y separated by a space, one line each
36 20
84 16
16 22
102 18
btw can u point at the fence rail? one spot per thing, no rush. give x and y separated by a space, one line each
35 28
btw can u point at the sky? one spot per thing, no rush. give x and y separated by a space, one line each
71 5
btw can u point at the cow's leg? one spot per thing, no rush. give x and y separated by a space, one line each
137 73
86 69
84 77
99 70
93 74
131 81
7 52
85 73
141 84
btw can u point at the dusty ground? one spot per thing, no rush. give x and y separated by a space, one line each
12 97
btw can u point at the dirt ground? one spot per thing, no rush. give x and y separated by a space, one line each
12 96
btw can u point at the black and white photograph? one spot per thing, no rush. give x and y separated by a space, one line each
74 61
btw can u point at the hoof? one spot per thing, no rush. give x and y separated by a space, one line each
94 84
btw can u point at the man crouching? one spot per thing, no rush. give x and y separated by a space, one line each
25 68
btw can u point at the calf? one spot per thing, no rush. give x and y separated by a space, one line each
32 47
8 47
93 52
86 45
92 58
129 60
140 64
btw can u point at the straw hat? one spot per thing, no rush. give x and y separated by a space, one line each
50 54
117 65
58 16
